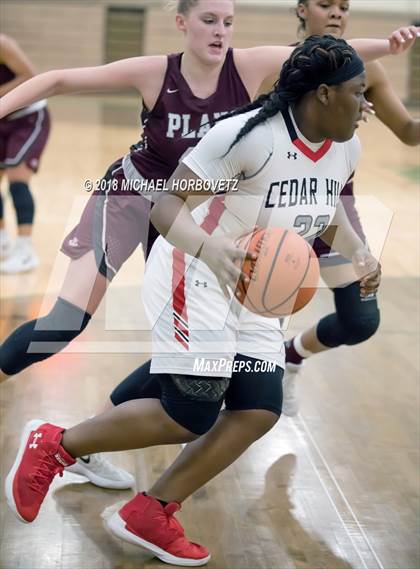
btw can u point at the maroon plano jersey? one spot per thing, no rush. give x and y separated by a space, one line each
179 119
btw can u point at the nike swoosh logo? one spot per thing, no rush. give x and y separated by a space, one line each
170 91
85 460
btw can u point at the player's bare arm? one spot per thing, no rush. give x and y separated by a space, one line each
172 218
388 106
259 64
17 61
145 74
344 239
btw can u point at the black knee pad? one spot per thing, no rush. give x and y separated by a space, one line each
355 321
55 330
23 202
194 402
358 331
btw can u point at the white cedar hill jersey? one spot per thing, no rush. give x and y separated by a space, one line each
284 180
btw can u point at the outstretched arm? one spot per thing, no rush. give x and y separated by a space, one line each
398 42
140 73
262 64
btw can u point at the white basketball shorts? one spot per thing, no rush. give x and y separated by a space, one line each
191 319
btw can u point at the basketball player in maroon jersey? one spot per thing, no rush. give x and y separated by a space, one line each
23 136
356 319
207 26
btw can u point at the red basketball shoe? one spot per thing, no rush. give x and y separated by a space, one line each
143 521
39 459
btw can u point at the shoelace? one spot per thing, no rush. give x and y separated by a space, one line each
43 475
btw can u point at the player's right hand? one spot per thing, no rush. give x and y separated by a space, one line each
224 257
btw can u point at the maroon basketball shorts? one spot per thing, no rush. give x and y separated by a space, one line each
113 224
22 139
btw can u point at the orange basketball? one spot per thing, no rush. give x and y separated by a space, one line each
283 278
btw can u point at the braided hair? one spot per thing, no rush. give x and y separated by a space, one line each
315 61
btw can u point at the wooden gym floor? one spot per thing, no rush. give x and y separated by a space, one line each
335 488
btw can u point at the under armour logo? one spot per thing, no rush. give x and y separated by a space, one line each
292 155
74 242
36 437
201 283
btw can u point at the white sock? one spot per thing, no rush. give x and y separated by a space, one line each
4 234
297 344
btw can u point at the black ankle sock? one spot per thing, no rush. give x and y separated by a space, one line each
292 356
162 502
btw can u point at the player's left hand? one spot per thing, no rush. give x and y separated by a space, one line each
368 270
370 284
402 39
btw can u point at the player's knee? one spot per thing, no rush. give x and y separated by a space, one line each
194 402
23 202
258 422
53 332
197 418
360 330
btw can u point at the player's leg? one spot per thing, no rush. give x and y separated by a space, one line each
140 384
110 229
253 406
26 138
355 320
5 240
22 257
38 339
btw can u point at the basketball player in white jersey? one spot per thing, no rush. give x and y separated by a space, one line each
183 94
313 111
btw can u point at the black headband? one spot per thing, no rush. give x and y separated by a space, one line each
352 69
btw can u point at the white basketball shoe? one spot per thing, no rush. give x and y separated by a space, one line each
22 258
102 472
6 245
